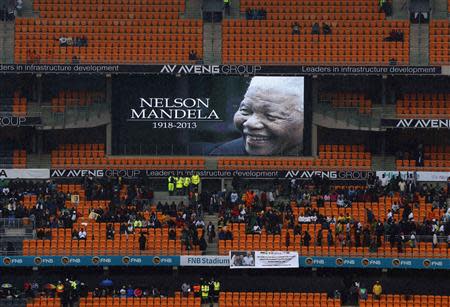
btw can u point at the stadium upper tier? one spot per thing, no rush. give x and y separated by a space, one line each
259 32
107 32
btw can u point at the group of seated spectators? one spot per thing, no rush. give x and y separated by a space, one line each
326 28
399 228
51 211
255 14
73 41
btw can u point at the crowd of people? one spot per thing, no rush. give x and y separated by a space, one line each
273 213
51 210
70 290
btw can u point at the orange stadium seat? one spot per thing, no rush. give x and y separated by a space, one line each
439 41
424 105
358 32
436 158
135 33
93 156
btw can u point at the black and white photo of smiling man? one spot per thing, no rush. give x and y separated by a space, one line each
270 118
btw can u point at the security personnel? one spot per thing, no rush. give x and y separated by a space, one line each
195 180
179 185
170 185
59 289
216 285
73 284
186 183
226 4
205 293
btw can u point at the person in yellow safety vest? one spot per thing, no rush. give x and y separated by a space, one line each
170 185
179 185
187 183
226 4
73 284
195 180
216 285
205 293
59 288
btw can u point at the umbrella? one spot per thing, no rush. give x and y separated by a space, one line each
49 287
6 286
106 283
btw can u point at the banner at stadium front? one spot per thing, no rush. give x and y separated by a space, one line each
263 259
250 174
418 176
199 69
9 120
25 173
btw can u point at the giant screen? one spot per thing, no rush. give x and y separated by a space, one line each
208 115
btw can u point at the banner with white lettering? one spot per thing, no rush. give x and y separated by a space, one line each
9 120
199 69
250 174
26 173
416 123
263 259
417 176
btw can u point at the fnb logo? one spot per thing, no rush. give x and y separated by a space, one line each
194 260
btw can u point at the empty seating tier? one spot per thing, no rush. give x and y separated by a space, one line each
112 31
424 105
360 34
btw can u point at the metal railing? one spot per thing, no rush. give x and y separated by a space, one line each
16 223
441 251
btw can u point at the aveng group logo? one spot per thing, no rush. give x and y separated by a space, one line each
211 69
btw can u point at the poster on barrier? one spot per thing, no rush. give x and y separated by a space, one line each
263 259
24 173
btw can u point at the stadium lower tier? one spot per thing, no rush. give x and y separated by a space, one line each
282 299
176 301
253 299
406 301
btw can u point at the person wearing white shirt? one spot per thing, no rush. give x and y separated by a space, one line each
82 234
200 224
270 197
395 207
340 201
234 197
256 229
402 186
390 216
384 180
248 260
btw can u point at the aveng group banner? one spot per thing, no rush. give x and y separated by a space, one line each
201 69
263 259
208 115
333 175
427 123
